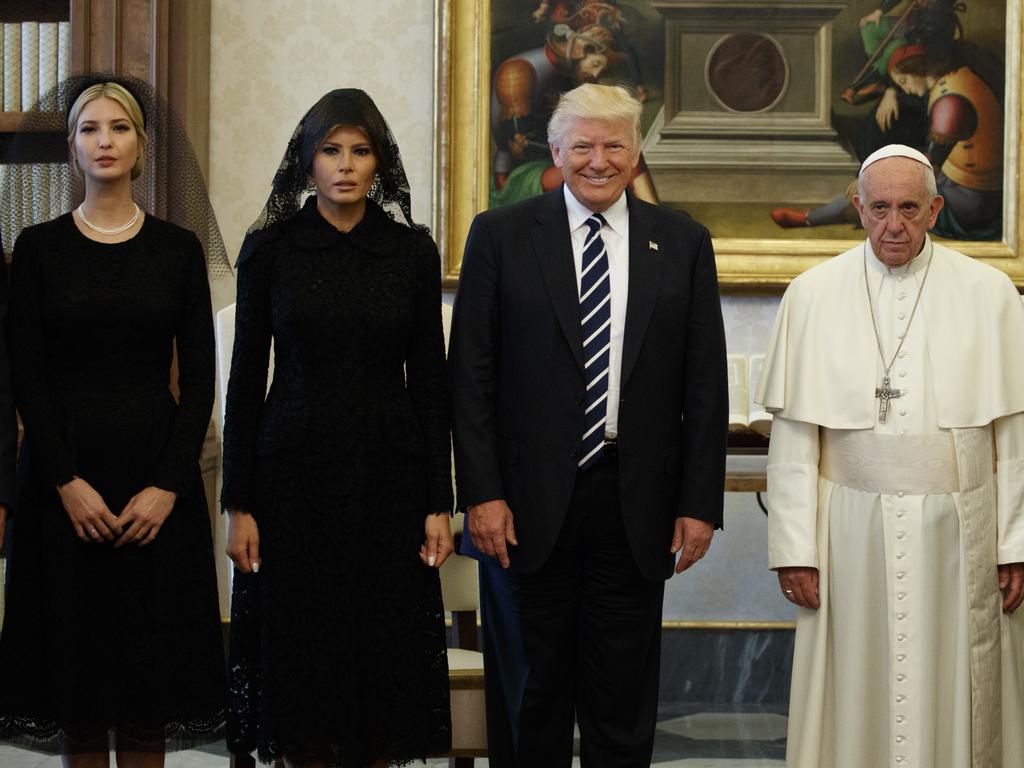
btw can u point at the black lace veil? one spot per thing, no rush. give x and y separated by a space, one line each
38 184
344 106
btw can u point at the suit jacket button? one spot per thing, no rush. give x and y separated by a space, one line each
579 399
573 454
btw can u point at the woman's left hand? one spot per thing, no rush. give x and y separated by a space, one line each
438 544
143 515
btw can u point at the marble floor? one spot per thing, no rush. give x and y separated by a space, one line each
723 739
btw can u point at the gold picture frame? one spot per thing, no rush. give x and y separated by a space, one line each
462 162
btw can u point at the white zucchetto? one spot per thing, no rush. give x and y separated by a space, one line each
895 150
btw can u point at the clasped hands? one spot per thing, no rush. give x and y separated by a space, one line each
493 531
138 523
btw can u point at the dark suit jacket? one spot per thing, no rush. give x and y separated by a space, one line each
516 373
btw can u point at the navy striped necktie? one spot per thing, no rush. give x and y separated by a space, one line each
596 321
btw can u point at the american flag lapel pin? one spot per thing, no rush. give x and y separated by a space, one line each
652 245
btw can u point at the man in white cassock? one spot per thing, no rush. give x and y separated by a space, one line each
896 492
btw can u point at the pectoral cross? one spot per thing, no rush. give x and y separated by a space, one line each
885 393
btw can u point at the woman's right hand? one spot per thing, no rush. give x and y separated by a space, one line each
243 541
89 514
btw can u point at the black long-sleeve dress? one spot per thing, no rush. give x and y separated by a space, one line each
337 644
95 637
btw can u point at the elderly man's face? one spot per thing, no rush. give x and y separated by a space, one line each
896 209
597 159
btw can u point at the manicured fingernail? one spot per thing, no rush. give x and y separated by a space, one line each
255 566
431 560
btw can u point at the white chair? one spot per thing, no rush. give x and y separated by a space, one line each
460 590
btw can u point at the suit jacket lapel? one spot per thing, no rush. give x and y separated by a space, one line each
553 246
644 274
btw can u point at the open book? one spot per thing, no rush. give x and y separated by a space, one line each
744 416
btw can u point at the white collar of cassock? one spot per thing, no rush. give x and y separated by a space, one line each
616 217
916 264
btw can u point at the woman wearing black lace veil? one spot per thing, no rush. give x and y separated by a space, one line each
112 628
338 482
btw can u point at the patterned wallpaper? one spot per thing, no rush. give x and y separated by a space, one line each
270 61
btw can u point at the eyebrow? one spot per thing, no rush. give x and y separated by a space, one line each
339 144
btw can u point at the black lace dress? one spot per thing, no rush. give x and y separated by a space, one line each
97 638
337 644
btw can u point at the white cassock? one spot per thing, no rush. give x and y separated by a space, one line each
909 662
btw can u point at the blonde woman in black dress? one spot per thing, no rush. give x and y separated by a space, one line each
112 625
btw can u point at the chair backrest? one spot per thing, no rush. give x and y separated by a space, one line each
460 589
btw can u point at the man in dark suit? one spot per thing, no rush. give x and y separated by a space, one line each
589 402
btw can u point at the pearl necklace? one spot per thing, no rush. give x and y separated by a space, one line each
115 230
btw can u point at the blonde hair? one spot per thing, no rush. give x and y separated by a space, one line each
611 103
120 94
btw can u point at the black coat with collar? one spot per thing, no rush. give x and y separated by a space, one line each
516 373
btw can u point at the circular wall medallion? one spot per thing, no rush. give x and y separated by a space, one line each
747 72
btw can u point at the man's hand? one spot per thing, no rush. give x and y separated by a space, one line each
87 511
872 18
1011 582
143 515
490 527
691 540
3 522
437 544
888 110
243 541
800 585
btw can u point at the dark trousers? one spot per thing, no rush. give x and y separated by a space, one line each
504 661
591 627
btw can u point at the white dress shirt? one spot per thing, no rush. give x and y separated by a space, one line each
615 234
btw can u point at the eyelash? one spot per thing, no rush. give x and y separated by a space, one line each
89 128
359 151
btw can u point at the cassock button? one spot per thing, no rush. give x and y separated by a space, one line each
900 759
903 373
900 494
903 411
901 596
901 575
903 353
901 656
902 295
902 315
900 617
900 678
900 513
900 555
900 739
901 535
901 637
900 718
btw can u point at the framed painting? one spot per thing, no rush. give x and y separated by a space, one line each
756 115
